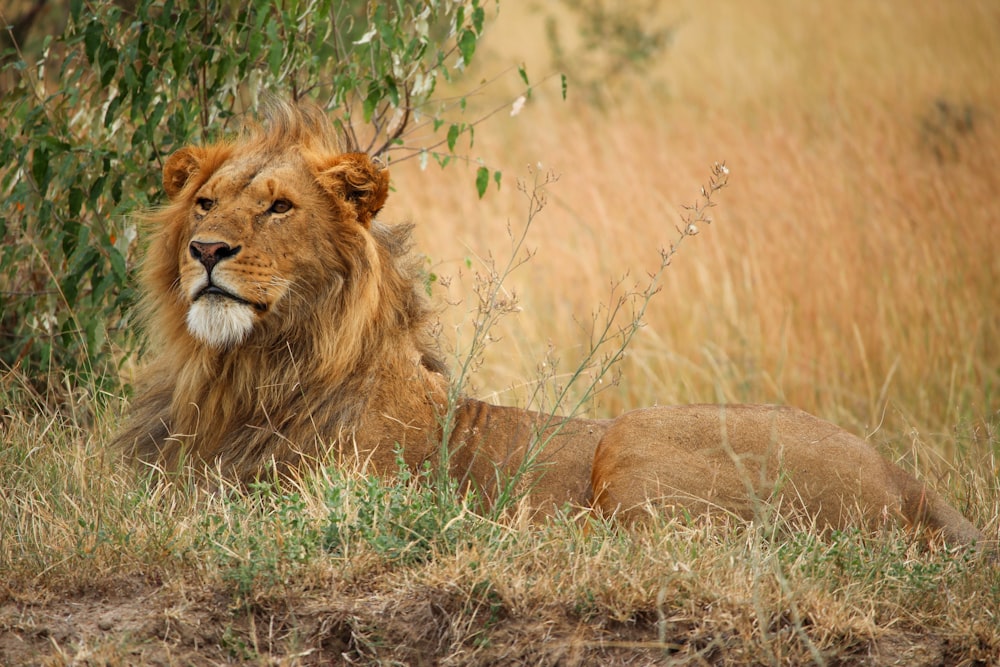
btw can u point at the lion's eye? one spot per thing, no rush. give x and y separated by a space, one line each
204 203
280 206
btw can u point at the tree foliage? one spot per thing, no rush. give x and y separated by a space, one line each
89 115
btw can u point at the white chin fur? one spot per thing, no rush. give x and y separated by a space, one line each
220 322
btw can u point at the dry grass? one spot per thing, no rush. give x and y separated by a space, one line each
852 270
102 569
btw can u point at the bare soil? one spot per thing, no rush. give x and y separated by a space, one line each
136 622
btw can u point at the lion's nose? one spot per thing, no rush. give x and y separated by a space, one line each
210 253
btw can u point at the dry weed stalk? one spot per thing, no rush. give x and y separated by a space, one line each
608 342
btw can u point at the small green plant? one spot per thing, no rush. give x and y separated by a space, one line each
260 539
885 563
264 537
406 519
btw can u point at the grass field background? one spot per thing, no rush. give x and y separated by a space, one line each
851 269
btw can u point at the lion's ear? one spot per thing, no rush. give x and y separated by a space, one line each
179 168
357 179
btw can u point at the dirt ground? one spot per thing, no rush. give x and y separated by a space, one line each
134 622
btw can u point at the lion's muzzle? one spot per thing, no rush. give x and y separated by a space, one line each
219 315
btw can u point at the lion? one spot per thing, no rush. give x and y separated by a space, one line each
289 327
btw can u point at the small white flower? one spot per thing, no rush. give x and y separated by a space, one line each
518 104
692 229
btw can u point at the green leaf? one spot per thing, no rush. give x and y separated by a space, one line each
75 201
562 78
453 133
467 45
117 265
482 180
277 50
116 189
254 43
524 74
478 16
369 107
40 168
83 259
392 90
92 40
109 67
496 178
111 115
180 57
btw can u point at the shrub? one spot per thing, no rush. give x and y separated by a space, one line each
89 116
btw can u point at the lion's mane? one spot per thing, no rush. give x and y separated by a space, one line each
312 366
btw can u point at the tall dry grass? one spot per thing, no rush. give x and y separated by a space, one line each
101 569
852 269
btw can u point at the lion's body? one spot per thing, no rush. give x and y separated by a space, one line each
748 459
289 327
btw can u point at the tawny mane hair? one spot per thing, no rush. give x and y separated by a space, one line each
309 364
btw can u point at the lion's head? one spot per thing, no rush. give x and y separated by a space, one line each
259 229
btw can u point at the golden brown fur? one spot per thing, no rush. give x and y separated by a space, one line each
288 326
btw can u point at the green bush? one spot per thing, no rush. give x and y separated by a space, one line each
88 117
407 519
264 536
